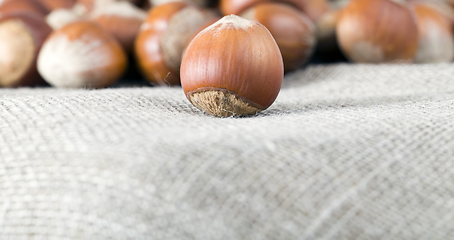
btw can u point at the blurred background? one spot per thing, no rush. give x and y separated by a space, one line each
97 43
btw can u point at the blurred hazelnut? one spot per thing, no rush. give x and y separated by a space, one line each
81 54
293 31
367 35
163 38
436 39
312 8
21 38
122 20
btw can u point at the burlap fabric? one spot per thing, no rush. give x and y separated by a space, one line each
346 152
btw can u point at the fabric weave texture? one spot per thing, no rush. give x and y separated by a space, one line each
345 152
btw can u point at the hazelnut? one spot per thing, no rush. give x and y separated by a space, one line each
21 38
293 31
28 6
232 68
81 54
365 34
312 8
163 38
122 20
436 39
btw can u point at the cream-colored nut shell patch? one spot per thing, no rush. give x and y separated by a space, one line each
17 49
64 63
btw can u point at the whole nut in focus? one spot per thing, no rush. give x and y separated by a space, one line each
232 68
293 31
162 39
436 39
81 54
312 8
122 20
21 38
367 35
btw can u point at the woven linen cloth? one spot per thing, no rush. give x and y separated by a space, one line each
346 152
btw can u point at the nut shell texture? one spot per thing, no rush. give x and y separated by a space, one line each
81 54
233 57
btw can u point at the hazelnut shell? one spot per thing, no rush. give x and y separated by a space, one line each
436 39
367 35
81 54
293 31
21 36
147 45
122 20
312 8
233 67
163 38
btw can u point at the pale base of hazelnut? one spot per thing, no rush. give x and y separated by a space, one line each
222 103
17 50
69 63
435 46
181 29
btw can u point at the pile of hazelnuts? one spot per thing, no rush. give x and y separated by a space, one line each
229 56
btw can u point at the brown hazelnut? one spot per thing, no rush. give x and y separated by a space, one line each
122 20
436 39
81 54
312 8
232 68
293 31
367 35
163 38
21 38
